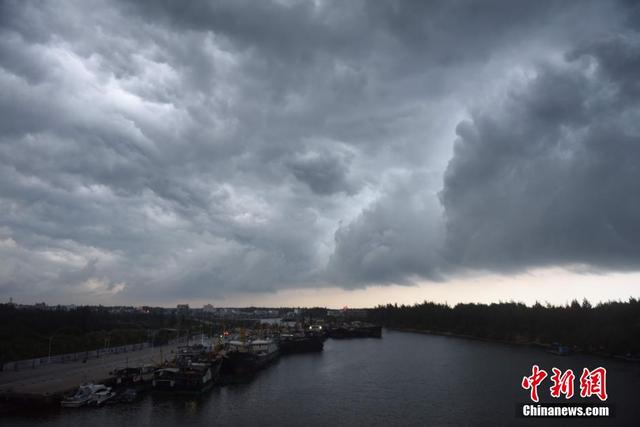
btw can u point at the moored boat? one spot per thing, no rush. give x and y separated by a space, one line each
559 350
355 330
292 343
244 358
134 376
101 395
80 398
192 378
85 395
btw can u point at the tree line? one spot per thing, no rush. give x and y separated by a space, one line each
611 327
27 332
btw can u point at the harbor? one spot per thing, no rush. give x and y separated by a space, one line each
403 379
48 383
193 365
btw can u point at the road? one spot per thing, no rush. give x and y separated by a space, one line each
59 378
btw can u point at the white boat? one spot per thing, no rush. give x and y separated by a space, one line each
83 396
100 395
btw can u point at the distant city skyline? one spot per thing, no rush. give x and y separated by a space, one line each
319 153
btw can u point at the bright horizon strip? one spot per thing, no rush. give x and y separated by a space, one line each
555 286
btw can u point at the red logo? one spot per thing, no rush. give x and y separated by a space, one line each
562 383
592 383
532 382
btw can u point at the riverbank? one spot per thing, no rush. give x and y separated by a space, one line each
548 347
47 384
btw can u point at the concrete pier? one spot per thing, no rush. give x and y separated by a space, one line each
52 381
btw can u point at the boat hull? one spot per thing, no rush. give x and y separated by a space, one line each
302 345
246 364
186 380
356 332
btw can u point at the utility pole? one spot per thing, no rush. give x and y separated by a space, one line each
50 341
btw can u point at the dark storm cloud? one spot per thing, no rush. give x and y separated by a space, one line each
324 173
551 177
196 149
394 241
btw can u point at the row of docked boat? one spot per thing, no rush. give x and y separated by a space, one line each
354 330
197 368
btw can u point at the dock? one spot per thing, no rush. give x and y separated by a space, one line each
48 383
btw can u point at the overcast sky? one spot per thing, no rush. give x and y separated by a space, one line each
315 152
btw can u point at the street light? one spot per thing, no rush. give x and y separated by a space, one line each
107 342
51 341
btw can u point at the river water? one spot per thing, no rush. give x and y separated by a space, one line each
402 379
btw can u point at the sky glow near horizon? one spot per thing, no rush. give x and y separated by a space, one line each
319 153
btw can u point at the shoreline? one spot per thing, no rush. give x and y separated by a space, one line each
545 346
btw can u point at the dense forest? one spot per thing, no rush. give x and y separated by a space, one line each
607 328
27 332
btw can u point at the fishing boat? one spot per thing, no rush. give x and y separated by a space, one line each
192 378
300 343
247 357
559 350
355 330
133 376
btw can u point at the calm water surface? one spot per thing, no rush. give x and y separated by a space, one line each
401 379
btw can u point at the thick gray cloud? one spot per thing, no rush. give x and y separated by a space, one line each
396 240
551 177
175 149
324 173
